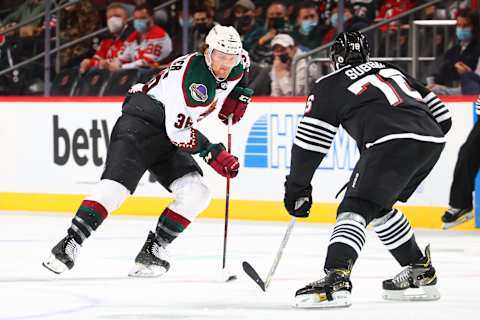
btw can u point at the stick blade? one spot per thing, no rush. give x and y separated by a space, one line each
253 275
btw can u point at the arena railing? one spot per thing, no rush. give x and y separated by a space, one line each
322 50
58 47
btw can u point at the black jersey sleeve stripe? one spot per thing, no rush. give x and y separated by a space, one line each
314 140
440 112
307 145
319 135
435 105
303 132
429 97
319 124
438 109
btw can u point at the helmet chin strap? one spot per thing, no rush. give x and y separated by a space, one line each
208 61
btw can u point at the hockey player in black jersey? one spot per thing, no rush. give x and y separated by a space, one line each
399 127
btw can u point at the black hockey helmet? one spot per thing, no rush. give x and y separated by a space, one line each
349 48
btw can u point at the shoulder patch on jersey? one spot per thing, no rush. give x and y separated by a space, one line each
199 92
198 83
236 72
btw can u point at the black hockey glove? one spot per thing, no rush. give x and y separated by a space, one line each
297 201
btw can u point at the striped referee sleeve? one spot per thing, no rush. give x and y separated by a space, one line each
315 135
477 106
438 109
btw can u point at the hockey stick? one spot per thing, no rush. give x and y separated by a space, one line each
226 275
254 274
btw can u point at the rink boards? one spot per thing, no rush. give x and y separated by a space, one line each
53 151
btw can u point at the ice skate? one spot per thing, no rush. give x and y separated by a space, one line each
152 260
63 255
415 283
333 291
454 216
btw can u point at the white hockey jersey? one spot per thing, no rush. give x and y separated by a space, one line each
147 50
189 93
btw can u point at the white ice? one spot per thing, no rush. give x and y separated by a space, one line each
98 286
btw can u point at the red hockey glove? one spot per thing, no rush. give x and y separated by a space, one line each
220 160
235 104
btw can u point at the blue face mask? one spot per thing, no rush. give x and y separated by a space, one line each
307 25
140 25
463 34
334 19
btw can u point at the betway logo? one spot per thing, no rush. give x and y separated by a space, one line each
82 144
270 141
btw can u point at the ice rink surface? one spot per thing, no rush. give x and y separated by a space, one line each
98 286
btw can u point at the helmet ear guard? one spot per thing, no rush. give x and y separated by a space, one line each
349 48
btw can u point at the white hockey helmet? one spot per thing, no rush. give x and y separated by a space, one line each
225 40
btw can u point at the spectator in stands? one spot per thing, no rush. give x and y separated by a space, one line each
244 21
465 53
392 8
469 79
77 20
109 48
276 22
147 46
284 50
365 8
201 24
351 22
309 30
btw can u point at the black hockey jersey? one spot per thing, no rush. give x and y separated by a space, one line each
375 103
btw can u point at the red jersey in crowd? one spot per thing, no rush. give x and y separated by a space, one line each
110 48
146 50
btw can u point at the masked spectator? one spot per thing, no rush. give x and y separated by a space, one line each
309 30
202 22
110 48
459 59
284 50
244 21
276 22
147 46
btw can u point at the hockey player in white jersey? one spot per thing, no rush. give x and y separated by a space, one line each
156 133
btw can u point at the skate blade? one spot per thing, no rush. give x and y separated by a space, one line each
425 293
54 265
463 219
143 271
341 299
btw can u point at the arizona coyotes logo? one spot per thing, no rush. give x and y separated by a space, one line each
210 109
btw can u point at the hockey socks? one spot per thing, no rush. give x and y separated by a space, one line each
169 226
396 234
346 242
89 216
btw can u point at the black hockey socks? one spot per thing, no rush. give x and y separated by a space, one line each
87 219
169 226
396 234
346 242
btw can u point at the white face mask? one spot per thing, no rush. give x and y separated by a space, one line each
115 24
